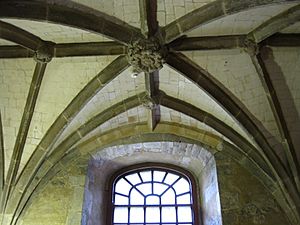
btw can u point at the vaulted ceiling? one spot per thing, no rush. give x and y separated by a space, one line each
224 73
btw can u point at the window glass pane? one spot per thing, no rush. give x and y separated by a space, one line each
136 215
121 215
152 214
121 200
133 178
145 188
146 176
122 187
158 176
136 198
184 214
182 186
152 200
171 178
159 188
168 197
184 199
168 214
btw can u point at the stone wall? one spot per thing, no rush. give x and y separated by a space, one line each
244 199
60 202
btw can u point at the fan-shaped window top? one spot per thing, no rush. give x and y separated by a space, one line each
152 196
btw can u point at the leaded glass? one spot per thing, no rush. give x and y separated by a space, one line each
152 196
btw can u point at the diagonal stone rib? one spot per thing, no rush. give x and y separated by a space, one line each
208 43
60 151
152 89
218 125
209 12
143 134
283 40
275 24
70 14
280 99
23 130
148 17
2 157
39 154
19 36
231 104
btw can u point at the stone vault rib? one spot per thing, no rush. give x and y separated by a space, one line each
37 157
280 99
283 40
140 132
152 89
19 36
181 44
275 24
2 157
23 131
58 153
148 17
208 43
210 12
216 124
70 14
69 50
205 81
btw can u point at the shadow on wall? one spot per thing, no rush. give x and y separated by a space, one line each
193 158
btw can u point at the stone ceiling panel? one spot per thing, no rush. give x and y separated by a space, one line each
5 42
234 69
170 10
121 88
132 116
15 79
293 29
181 88
63 79
170 115
125 10
56 33
239 23
140 114
288 60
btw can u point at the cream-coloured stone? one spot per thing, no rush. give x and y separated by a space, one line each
55 94
239 23
116 8
121 88
179 87
234 69
15 76
56 33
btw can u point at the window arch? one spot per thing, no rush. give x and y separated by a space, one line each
154 194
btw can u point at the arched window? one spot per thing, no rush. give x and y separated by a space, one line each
153 195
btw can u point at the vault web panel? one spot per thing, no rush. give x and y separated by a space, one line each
235 70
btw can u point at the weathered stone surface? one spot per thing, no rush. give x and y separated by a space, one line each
244 199
146 55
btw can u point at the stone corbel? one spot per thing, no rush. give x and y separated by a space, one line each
44 52
251 47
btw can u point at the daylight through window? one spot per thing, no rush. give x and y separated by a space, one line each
152 196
